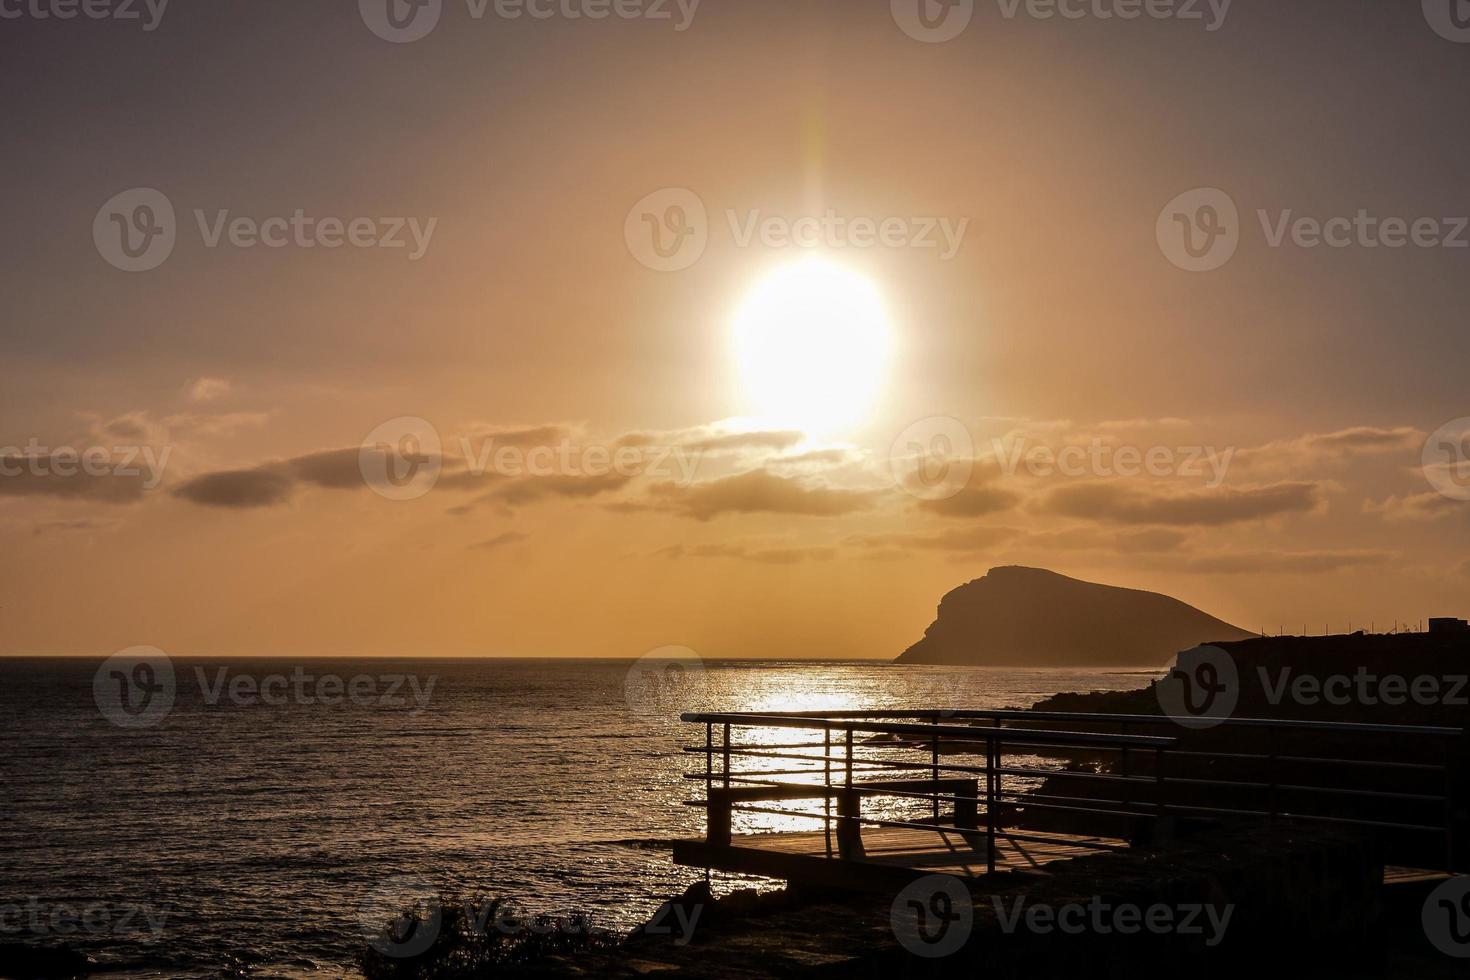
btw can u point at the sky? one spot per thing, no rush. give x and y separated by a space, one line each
510 339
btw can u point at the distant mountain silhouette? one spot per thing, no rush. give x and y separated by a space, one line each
1030 617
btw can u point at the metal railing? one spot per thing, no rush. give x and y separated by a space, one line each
1149 777
954 785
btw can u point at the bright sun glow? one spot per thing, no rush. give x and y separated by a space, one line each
813 344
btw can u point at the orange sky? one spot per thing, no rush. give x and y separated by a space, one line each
1059 321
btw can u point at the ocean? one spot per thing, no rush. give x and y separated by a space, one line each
243 823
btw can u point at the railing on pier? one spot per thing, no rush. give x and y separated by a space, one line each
952 785
1147 780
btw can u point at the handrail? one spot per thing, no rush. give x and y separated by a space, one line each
929 730
1344 727
958 732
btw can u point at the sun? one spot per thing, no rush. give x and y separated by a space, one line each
812 343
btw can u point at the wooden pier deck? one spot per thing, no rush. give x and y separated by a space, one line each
892 855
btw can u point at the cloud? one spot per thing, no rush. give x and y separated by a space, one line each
716 439
532 489
62 475
768 556
1425 506
1338 446
68 527
207 389
1267 562
973 501
959 539
501 541
335 469
521 437
1108 502
1142 541
239 489
758 491
221 424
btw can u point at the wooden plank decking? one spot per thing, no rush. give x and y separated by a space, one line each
895 855
892 855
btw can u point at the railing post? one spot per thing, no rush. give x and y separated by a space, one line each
1446 757
1126 770
1271 800
827 786
934 762
709 759
1161 807
990 786
726 766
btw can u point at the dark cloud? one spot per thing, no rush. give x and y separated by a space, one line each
62 475
769 556
1415 507
1141 541
501 541
758 491
1267 562
957 539
524 437
335 469
262 487
70 527
973 501
532 489
1109 502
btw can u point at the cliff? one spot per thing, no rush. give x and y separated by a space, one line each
1030 617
